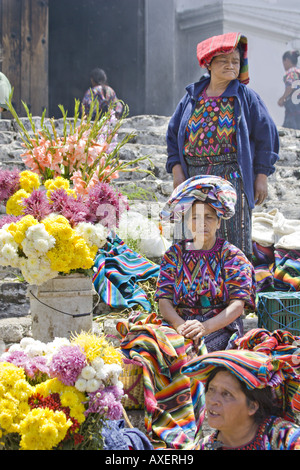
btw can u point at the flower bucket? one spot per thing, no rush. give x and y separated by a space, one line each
61 306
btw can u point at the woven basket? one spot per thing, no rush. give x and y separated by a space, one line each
132 379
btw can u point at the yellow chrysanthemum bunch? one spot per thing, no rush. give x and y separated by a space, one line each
59 183
18 229
69 396
14 394
28 182
43 429
70 251
14 203
97 346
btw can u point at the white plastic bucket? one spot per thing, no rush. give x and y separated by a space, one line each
61 307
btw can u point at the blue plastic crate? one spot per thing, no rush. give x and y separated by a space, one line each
279 311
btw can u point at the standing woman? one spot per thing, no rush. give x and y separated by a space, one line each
221 127
291 76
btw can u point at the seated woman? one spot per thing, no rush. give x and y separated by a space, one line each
249 400
202 290
205 283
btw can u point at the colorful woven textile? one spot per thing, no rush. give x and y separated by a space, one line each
174 404
213 190
287 269
279 345
224 44
119 269
276 268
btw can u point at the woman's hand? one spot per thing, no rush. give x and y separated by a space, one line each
260 188
178 175
192 329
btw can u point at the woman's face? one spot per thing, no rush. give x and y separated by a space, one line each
225 67
287 64
203 224
226 404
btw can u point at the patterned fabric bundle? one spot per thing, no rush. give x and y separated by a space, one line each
174 404
287 269
119 269
276 268
213 190
261 359
224 44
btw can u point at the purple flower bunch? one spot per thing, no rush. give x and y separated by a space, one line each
9 219
9 183
106 205
103 205
35 367
106 402
67 364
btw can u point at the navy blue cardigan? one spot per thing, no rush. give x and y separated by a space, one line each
256 132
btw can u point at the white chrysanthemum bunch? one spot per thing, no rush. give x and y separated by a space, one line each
37 241
92 234
36 270
98 375
33 347
8 249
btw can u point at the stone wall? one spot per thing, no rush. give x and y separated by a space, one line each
149 140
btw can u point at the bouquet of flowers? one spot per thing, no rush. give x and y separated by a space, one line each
50 230
60 210
87 151
59 395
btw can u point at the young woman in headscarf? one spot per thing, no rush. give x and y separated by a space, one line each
251 394
222 127
205 282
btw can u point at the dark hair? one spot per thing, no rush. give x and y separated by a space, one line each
99 76
292 56
264 397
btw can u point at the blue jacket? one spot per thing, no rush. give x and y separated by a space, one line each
256 132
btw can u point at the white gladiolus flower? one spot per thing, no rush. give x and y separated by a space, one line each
88 373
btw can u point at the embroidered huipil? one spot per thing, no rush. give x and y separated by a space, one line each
207 279
211 129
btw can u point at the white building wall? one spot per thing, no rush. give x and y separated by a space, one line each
175 27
